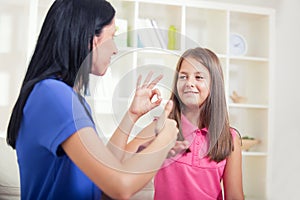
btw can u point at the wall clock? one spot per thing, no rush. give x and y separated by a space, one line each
237 45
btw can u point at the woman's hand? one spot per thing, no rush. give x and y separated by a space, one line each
142 101
162 121
140 105
179 147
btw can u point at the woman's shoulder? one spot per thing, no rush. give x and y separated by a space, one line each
53 84
51 90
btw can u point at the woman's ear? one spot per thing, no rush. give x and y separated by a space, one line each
96 41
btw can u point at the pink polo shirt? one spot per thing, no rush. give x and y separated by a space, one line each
190 175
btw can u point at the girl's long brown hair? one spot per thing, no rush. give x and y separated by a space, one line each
213 114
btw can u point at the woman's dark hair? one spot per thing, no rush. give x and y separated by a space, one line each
213 114
64 43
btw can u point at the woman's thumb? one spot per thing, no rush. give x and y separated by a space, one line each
163 117
168 108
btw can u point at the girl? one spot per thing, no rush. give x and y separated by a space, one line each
60 155
214 155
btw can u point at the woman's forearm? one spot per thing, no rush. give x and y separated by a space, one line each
143 139
119 139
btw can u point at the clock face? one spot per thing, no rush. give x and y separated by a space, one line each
238 44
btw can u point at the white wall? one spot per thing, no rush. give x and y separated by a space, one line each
285 162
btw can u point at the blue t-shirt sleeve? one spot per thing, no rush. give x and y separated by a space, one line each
58 113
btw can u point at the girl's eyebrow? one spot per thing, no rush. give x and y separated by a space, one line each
198 72
201 72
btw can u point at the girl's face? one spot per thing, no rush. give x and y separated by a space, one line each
193 83
103 48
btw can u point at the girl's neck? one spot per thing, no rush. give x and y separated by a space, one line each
192 115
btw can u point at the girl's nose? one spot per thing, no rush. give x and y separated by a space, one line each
189 83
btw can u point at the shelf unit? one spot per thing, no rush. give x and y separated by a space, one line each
198 23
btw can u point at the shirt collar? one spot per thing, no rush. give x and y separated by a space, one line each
189 128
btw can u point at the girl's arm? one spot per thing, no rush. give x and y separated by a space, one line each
232 179
140 105
117 179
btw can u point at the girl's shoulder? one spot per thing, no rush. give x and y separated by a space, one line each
234 132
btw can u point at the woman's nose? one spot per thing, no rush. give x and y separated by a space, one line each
115 49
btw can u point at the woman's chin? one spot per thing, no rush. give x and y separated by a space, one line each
100 73
103 73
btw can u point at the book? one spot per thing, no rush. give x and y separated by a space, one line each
159 34
149 35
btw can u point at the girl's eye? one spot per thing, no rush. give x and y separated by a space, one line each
182 77
199 77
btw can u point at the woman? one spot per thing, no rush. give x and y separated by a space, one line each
60 155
